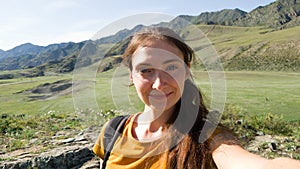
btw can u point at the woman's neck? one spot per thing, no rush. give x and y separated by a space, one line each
151 124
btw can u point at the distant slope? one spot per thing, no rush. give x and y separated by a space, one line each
245 41
29 55
277 15
256 48
223 17
280 14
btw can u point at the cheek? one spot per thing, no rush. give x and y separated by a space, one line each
141 88
178 81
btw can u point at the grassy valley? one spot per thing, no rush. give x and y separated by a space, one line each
263 101
256 92
262 71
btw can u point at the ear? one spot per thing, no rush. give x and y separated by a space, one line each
130 76
188 71
189 65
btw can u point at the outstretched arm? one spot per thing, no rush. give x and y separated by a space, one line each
235 157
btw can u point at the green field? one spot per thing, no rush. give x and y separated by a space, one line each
262 89
255 93
258 93
239 48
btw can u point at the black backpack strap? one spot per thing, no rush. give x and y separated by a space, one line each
112 131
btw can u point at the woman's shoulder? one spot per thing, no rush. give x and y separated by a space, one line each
218 134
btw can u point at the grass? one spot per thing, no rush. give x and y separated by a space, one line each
18 131
230 36
259 93
286 133
264 101
256 92
248 48
272 92
13 103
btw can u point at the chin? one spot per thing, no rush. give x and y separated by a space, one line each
161 107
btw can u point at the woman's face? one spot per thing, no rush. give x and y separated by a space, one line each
158 73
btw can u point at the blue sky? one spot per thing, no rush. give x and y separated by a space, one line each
43 22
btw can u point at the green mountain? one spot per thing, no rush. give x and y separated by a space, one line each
245 41
29 55
223 17
278 15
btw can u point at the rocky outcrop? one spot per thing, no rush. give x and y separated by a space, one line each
58 158
75 152
71 153
271 146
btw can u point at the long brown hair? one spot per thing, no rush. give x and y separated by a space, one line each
188 152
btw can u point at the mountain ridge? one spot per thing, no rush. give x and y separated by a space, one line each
283 13
277 15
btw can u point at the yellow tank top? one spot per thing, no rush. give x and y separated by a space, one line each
131 153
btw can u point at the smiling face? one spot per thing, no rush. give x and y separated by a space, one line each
158 74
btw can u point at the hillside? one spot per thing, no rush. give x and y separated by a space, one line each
223 17
51 113
29 55
248 48
278 15
245 41
256 48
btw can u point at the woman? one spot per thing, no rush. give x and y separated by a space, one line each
167 133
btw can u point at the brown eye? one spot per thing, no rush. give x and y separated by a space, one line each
146 71
171 68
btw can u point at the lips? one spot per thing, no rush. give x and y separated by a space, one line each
160 95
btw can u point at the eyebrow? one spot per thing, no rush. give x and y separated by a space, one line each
172 60
143 64
165 62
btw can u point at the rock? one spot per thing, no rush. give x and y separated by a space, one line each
298 149
258 141
4 116
60 133
92 164
69 140
19 165
273 146
260 133
80 138
58 158
73 157
239 122
75 152
33 141
71 153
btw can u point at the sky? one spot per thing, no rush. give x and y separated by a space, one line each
44 22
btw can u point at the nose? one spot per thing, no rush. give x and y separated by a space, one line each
160 80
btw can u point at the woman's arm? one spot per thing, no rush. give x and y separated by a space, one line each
235 157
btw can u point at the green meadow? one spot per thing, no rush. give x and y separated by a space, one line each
261 87
259 93
256 93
